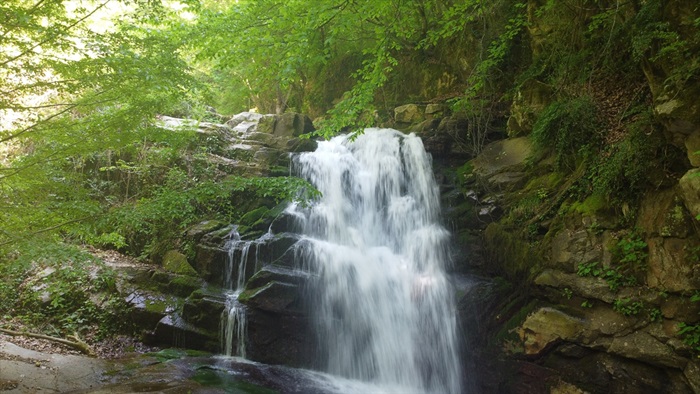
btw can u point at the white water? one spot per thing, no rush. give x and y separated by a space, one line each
233 318
384 308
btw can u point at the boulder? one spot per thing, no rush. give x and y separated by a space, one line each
689 186
500 163
176 262
409 113
172 330
434 110
545 327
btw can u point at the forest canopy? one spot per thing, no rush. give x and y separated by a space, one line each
82 83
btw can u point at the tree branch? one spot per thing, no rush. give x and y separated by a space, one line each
76 343
67 28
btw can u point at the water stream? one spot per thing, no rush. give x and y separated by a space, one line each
384 308
233 319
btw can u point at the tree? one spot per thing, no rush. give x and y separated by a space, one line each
70 92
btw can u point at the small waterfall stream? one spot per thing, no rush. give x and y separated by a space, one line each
384 309
233 319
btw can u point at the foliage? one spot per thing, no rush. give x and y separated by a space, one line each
155 223
690 333
622 170
628 260
628 306
630 253
60 289
667 46
612 275
570 129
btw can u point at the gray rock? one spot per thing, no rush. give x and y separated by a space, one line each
644 347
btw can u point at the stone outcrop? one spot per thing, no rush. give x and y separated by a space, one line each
251 143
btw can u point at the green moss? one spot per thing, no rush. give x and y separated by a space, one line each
465 175
591 205
509 254
254 216
176 262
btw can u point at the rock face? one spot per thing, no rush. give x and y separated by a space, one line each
186 308
251 143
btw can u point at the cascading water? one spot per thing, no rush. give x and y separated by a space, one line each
384 307
233 318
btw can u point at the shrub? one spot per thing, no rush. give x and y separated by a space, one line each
570 128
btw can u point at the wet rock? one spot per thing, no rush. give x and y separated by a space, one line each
209 262
203 307
197 231
280 339
172 330
146 308
275 289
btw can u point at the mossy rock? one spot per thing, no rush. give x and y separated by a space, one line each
176 262
197 231
509 253
254 216
183 285
590 206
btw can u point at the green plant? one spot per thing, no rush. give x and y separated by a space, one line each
655 315
628 306
587 304
612 276
690 333
61 289
630 253
570 128
622 170
589 269
567 293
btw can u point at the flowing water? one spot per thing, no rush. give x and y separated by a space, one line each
384 309
233 319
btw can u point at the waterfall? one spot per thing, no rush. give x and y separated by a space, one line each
233 318
384 309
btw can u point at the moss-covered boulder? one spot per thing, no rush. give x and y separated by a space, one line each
176 262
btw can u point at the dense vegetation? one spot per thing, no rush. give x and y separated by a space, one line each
83 161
